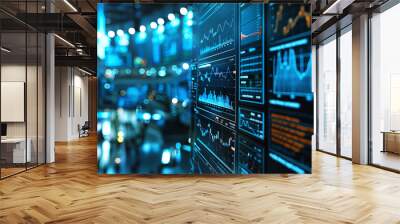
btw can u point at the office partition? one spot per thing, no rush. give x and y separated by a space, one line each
22 77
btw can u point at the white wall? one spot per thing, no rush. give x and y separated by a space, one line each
12 73
71 93
16 73
61 103
33 127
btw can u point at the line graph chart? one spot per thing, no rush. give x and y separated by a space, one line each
289 20
218 99
292 74
250 156
217 139
251 23
251 122
218 72
251 76
216 86
217 29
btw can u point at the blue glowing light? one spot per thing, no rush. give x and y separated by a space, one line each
288 104
102 40
171 17
106 128
131 30
160 21
166 157
185 103
107 86
142 28
216 99
142 36
185 66
187 148
152 71
289 45
123 40
161 29
142 71
111 34
205 65
190 15
153 25
162 73
105 152
156 117
146 116
175 22
103 115
183 11
189 22
286 163
120 32
138 61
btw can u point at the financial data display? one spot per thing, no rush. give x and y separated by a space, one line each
290 86
289 21
217 29
205 88
250 156
216 86
217 139
215 120
251 78
252 122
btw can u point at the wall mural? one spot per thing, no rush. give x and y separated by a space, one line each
204 88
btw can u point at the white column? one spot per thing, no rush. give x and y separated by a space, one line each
360 90
50 92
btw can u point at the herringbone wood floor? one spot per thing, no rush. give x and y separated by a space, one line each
70 191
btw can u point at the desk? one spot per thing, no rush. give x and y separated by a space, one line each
391 141
18 150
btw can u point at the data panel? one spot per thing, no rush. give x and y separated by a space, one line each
290 101
250 156
251 78
217 27
205 88
216 86
218 140
252 122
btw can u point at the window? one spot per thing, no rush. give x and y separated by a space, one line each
385 89
22 88
327 96
346 93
